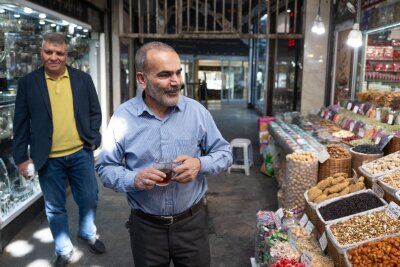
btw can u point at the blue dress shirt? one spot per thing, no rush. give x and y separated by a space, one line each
136 138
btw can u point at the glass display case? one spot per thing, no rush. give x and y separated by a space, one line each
381 52
382 61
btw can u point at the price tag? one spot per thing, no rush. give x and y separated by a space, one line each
377 140
355 176
306 259
351 126
292 242
393 210
323 156
378 190
361 132
349 106
309 227
390 119
303 220
278 218
355 109
323 241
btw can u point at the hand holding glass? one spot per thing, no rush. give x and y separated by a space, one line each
165 167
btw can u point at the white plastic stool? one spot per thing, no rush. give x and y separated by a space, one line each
245 145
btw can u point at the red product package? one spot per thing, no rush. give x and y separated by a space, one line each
396 66
388 67
387 52
396 54
379 67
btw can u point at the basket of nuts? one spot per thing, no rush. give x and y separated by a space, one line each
339 161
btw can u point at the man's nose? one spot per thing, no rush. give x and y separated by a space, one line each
175 80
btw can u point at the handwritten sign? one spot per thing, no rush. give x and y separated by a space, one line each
309 227
378 190
306 259
303 220
355 176
278 218
393 210
323 241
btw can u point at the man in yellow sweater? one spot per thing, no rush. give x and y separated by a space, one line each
58 117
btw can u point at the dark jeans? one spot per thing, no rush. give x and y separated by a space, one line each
79 169
185 242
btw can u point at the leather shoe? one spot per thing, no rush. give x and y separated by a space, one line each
96 246
63 260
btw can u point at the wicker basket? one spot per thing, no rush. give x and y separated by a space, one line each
392 146
332 166
358 158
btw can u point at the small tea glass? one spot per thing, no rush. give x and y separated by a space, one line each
165 167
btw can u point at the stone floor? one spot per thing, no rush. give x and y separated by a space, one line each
233 201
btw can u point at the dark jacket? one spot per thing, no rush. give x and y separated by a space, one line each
33 119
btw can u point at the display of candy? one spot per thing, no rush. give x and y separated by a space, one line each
283 250
265 224
287 263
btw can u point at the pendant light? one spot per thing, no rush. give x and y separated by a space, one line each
354 39
318 26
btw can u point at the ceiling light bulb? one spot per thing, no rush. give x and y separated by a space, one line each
27 10
42 22
17 15
42 16
355 36
53 25
2 10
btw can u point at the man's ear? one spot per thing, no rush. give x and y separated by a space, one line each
141 79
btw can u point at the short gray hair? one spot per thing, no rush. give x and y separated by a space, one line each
54 38
141 54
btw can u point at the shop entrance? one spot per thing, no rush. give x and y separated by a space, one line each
211 81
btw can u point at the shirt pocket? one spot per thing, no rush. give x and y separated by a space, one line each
188 147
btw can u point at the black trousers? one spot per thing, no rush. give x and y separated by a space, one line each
185 242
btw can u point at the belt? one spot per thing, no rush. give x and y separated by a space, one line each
168 220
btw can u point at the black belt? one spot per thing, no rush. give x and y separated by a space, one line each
168 220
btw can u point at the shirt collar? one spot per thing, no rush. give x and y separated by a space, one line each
64 75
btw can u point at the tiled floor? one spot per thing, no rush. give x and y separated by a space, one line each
232 202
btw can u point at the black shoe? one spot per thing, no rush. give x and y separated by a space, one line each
63 260
96 246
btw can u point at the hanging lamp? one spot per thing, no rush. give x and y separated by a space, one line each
318 26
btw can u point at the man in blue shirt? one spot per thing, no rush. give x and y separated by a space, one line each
167 222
